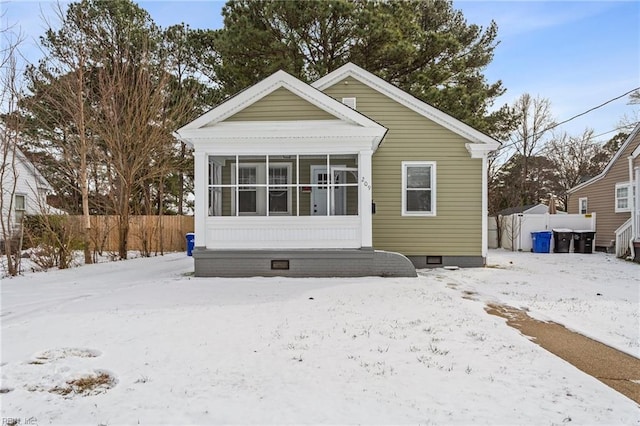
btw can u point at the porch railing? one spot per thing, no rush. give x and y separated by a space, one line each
623 236
278 232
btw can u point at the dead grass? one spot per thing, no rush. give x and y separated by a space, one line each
87 385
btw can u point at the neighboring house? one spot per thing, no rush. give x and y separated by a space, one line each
29 195
348 176
611 196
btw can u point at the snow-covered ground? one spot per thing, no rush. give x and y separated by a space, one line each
184 350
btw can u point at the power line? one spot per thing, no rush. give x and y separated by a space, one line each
553 126
596 107
547 148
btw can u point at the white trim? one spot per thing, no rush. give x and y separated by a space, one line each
478 150
611 162
365 197
404 98
621 185
291 129
586 203
350 102
200 179
432 166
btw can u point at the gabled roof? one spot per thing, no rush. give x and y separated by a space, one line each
636 152
635 133
485 142
40 179
280 79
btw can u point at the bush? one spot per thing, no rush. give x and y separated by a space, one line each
51 239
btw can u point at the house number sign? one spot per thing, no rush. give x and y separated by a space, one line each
365 183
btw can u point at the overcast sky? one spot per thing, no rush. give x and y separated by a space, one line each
577 54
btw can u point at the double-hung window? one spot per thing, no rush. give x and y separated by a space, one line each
582 205
20 207
278 191
247 190
418 188
623 202
257 188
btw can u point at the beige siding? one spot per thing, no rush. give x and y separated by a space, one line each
457 228
601 197
281 105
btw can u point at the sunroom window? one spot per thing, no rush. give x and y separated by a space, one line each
247 191
280 185
278 191
418 188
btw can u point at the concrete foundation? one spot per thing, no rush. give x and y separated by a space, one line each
301 263
421 262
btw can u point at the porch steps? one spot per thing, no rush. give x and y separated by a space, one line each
301 263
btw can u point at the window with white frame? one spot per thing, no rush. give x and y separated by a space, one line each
622 201
582 205
19 207
247 190
418 188
215 191
278 191
256 189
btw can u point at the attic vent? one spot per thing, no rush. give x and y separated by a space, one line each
350 102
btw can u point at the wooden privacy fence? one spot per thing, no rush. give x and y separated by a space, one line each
146 233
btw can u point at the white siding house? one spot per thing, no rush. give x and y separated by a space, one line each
24 189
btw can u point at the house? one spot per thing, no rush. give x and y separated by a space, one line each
348 176
611 195
24 190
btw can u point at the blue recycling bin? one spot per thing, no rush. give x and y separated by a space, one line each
191 240
541 241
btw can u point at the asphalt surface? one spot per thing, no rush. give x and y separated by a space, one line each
616 369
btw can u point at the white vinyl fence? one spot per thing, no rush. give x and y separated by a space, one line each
517 228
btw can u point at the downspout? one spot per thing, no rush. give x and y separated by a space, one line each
485 209
632 198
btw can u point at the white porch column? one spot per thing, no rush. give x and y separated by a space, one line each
365 198
200 168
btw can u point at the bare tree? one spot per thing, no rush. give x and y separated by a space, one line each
10 96
135 114
534 122
60 85
573 159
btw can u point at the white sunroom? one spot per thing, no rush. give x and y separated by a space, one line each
285 180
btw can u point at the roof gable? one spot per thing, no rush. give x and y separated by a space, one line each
634 138
480 142
283 105
276 81
41 181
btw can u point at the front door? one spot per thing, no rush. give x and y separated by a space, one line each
337 197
